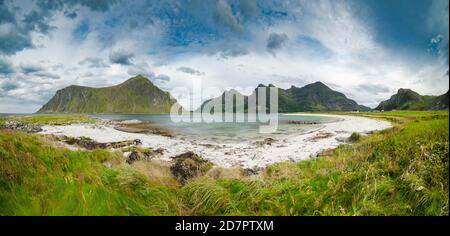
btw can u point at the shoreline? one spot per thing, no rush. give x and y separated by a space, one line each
251 154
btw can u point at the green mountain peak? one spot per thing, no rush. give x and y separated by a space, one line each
136 95
407 99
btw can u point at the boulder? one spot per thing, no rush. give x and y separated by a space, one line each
143 155
266 141
326 152
134 156
188 165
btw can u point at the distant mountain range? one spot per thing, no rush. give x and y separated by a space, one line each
312 97
406 99
138 95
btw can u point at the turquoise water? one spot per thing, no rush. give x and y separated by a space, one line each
226 131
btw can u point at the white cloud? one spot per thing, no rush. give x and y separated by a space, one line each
341 52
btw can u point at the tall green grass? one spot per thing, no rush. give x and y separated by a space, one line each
38 179
398 171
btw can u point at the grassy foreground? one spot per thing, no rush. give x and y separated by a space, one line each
399 171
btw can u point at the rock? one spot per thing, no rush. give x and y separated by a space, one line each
189 165
320 135
251 172
267 141
134 156
84 142
90 144
341 139
326 152
125 143
302 122
355 137
143 155
19 126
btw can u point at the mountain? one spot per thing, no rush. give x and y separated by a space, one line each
137 95
312 97
406 99
316 97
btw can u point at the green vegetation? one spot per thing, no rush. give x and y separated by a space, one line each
355 137
398 171
311 98
406 99
38 179
49 119
135 96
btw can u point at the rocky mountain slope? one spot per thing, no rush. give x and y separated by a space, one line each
406 99
137 95
312 97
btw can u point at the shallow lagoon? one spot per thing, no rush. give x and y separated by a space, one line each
227 131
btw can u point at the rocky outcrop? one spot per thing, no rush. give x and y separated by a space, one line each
19 126
302 122
189 165
266 141
143 155
89 144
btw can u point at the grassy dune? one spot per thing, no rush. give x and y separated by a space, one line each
49 119
399 171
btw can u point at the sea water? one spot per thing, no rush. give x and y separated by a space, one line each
227 131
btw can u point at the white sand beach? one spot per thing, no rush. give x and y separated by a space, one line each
249 154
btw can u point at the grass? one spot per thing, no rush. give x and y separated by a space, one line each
398 171
49 119
38 179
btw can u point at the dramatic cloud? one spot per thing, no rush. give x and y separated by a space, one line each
275 41
141 69
6 67
93 62
224 16
162 77
71 15
374 88
248 8
190 71
121 57
354 46
14 35
233 52
7 86
28 69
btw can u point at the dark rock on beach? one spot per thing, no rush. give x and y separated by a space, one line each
19 126
266 141
90 144
189 165
302 122
326 152
251 171
143 155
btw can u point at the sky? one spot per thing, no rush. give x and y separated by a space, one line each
366 49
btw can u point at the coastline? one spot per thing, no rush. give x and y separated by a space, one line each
251 154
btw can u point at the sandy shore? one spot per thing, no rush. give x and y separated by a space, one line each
249 154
